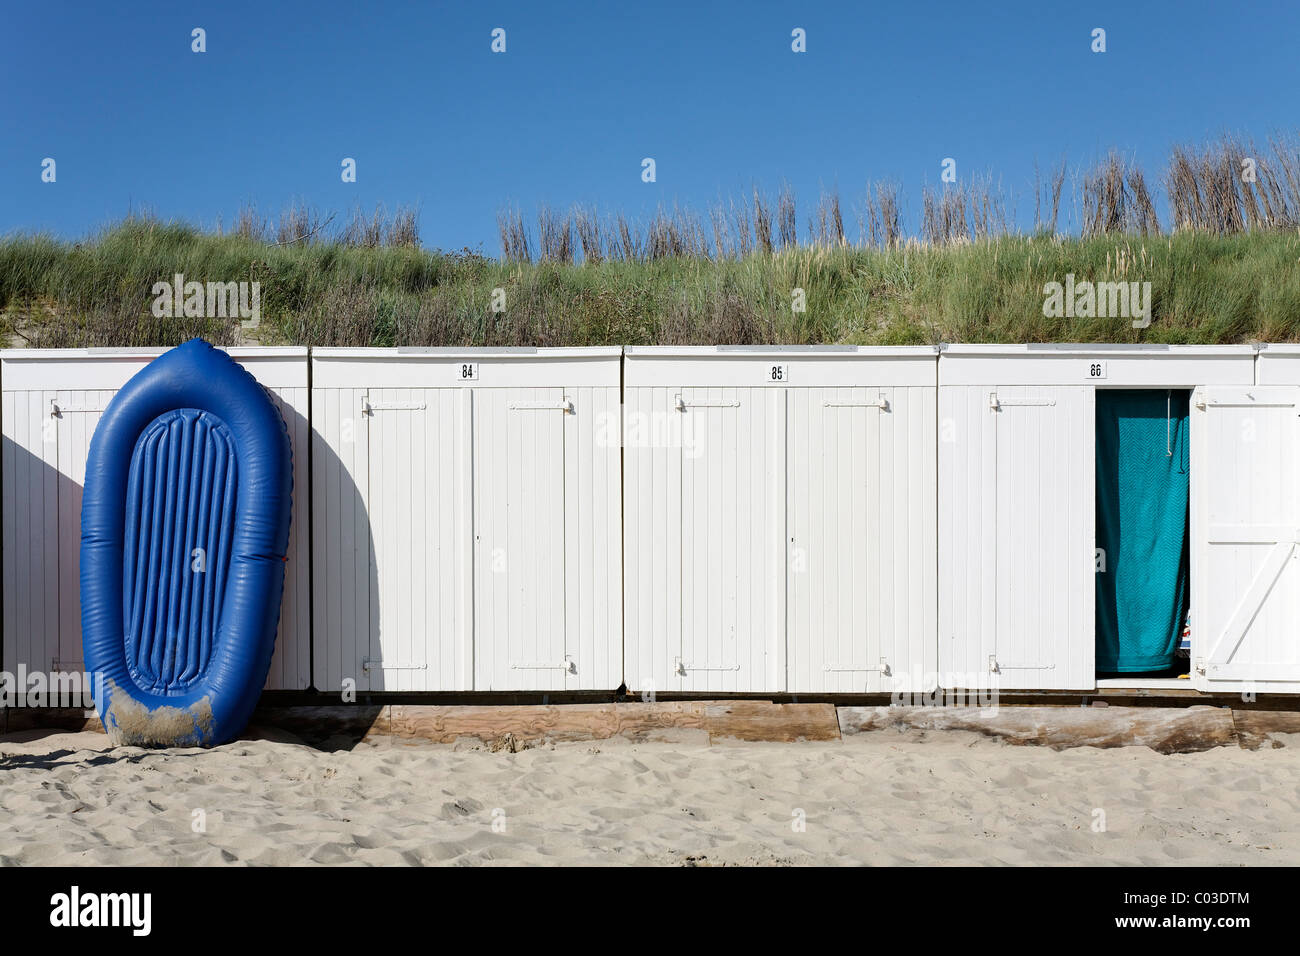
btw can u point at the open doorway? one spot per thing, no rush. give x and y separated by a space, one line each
1142 516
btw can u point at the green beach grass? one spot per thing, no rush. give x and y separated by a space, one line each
1206 288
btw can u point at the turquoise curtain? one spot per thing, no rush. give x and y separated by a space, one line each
1142 483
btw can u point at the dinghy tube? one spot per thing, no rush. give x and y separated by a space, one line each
184 532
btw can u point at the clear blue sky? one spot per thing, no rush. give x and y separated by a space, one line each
585 90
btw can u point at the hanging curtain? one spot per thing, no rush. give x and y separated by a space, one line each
1142 492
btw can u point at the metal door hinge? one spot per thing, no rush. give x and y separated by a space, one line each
881 403
996 404
680 667
568 665
57 408
369 408
681 405
378 663
565 406
841 668
996 668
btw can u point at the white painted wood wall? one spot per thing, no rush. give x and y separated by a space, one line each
43 462
779 519
467 519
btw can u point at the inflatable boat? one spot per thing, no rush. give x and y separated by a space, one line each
184 531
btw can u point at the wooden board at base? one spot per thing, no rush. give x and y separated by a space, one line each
1163 729
740 720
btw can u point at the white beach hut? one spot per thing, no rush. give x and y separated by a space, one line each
779 519
1020 448
466 519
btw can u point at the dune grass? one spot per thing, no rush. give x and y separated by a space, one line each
1206 288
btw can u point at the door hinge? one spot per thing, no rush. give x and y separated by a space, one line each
378 663
881 403
1204 403
369 408
680 667
842 668
681 405
997 668
568 665
996 404
57 408
565 406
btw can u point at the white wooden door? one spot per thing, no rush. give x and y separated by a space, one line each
1046 537
32 572
842 524
733 540
47 436
519 633
417 500
75 415
1018 539
1245 528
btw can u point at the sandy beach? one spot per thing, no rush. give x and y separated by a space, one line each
879 798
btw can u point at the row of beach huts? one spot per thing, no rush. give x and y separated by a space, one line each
754 520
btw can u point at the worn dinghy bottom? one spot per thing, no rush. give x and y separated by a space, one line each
185 525
131 723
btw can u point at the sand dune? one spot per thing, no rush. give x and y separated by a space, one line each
880 798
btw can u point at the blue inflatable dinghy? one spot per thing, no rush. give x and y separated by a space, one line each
184 531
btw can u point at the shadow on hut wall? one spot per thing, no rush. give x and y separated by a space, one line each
345 572
42 461
40 550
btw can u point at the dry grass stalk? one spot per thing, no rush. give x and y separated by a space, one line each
762 222
785 217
